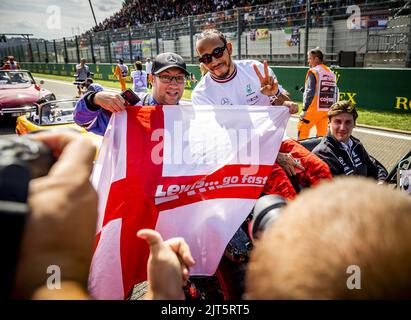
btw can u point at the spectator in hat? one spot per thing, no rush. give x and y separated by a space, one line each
93 110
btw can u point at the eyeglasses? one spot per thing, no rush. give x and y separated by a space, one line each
169 79
217 53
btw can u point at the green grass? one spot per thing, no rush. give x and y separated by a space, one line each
366 117
385 119
382 119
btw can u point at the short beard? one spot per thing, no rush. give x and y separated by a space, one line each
227 74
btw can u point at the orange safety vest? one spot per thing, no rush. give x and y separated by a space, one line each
326 91
121 70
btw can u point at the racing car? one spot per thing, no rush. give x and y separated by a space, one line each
53 115
19 91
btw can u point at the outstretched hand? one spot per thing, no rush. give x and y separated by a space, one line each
269 85
110 101
167 267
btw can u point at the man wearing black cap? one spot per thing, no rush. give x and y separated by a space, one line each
88 85
82 73
93 110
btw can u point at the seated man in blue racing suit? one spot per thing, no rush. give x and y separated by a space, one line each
88 85
94 109
345 154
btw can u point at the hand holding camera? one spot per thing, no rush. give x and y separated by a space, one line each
115 102
60 228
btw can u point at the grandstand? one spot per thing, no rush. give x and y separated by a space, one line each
139 12
379 32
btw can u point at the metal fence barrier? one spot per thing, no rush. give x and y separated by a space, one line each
280 32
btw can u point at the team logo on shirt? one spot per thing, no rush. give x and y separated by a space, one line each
252 98
248 89
348 171
171 59
225 101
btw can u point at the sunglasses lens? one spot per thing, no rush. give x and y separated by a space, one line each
218 52
206 59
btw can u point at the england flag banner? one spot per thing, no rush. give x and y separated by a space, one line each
186 171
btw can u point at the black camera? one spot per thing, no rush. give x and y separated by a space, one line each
131 98
21 159
266 211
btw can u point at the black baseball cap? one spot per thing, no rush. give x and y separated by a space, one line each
166 61
87 81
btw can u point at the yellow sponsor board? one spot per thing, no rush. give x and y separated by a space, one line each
262 34
98 76
403 103
350 96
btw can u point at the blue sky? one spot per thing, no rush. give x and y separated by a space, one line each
41 17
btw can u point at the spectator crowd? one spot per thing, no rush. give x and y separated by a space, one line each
282 13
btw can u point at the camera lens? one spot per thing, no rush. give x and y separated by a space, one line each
266 211
34 153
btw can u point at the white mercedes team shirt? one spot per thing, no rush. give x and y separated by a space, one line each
241 88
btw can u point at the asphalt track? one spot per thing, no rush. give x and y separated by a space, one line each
386 146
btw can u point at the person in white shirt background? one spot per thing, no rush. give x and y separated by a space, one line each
139 78
149 66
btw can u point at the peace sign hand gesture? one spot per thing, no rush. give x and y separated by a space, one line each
269 85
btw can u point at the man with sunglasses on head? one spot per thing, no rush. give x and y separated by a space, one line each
94 109
249 82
